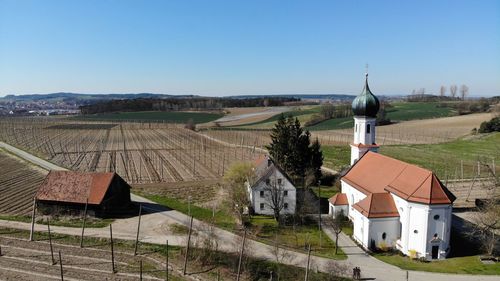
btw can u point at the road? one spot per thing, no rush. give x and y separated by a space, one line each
155 229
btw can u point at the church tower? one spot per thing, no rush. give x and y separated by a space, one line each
365 108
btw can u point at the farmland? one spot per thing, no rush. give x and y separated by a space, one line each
18 184
139 152
398 111
445 159
159 116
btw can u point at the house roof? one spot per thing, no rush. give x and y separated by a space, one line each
377 205
75 187
338 199
376 173
265 167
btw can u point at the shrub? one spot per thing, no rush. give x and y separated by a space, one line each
413 254
490 126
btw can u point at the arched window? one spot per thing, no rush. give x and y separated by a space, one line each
368 128
384 235
436 217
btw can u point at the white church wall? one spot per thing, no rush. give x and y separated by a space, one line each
360 228
418 227
379 226
353 196
333 210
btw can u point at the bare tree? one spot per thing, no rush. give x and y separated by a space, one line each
442 91
464 91
453 91
337 222
487 225
274 193
281 255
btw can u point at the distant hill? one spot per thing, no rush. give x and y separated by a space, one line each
85 97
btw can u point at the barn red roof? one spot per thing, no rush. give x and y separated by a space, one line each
339 199
376 173
75 187
377 205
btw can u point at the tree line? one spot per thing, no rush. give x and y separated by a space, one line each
178 104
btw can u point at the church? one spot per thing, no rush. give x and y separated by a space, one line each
392 204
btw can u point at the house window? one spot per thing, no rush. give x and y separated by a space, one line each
262 193
384 235
285 206
436 217
368 128
285 193
279 181
268 181
262 206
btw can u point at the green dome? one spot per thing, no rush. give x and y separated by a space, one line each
366 104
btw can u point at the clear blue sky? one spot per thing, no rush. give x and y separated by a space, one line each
211 47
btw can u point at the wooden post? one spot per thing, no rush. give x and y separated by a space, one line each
112 251
140 270
32 231
187 248
50 242
462 168
84 220
138 229
478 169
166 265
0 250
61 266
308 260
241 254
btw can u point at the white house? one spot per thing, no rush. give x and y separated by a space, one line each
392 203
271 189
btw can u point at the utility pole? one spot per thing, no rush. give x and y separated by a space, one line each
187 248
84 220
138 228
308 260
241 255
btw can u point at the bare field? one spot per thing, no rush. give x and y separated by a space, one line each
139 152
201 192
18 184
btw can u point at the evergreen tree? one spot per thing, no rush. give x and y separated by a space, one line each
291 149
316 159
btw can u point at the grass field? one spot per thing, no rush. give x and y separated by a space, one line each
265 228
405 111
170 116
460 265
400 111
444 158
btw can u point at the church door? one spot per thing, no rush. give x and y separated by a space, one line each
435 250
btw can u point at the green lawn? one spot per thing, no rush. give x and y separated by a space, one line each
444 158
326 191
403 111
460 265
222 218
265 229
167 116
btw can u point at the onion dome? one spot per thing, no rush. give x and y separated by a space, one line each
366 104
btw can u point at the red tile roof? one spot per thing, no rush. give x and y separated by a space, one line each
339 199
376 173
75 187
377 205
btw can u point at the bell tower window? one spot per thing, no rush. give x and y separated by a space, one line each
368 128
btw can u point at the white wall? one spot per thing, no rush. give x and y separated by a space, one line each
419 218
353 196
333 210
360 130
256 199
379 226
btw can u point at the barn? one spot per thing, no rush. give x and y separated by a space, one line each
67 193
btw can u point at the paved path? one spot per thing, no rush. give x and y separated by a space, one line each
155 229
